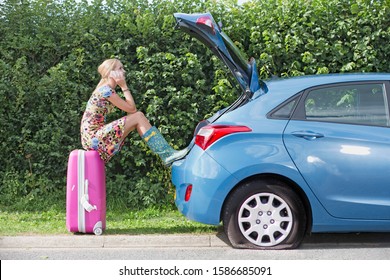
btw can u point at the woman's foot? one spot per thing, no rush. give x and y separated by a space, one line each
160 146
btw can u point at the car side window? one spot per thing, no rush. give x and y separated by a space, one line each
363 104
285 110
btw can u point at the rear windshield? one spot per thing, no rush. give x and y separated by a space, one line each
237 55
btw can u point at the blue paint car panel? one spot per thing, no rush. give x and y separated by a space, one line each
348 168
340 170
209 180
271 149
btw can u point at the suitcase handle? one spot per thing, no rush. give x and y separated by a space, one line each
85 200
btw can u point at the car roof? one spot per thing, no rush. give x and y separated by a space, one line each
296 84
281 89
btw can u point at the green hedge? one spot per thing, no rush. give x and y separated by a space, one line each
49 52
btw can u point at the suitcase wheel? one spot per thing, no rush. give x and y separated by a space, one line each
98 231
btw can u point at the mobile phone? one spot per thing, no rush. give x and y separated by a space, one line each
114 74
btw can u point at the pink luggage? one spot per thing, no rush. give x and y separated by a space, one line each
86 193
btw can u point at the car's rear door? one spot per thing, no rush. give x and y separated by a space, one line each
339 139
204 28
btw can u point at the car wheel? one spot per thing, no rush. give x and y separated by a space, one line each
264 214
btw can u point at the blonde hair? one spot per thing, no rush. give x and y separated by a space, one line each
106 67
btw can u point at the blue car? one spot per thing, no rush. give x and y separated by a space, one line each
289 156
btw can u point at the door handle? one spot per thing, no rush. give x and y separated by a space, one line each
308 135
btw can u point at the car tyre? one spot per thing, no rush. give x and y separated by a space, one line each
264 214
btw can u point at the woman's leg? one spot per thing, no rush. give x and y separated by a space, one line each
160 146
136 121
152 136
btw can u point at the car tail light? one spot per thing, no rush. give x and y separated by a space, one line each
187 195
210 133
206 21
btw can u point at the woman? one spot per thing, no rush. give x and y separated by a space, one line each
108 139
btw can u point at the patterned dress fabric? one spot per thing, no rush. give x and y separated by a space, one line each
96 134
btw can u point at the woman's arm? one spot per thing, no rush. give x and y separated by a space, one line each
127 105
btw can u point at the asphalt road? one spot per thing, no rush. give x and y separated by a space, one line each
364 246
325 256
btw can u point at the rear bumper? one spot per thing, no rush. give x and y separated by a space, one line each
210 185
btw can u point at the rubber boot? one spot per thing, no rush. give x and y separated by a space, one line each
160 146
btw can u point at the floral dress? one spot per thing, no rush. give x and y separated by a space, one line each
95 133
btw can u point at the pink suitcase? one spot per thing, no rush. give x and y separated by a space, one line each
86 193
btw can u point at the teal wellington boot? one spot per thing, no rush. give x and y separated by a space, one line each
160 146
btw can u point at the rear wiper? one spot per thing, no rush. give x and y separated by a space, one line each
178 21
248 93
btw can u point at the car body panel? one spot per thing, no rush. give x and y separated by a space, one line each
216 171
205 203
348 168
340 171
219 43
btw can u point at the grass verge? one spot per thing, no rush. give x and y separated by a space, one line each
148 221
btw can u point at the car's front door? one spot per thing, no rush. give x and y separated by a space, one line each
339 139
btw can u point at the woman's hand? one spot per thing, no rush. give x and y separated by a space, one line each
119 78
127 105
